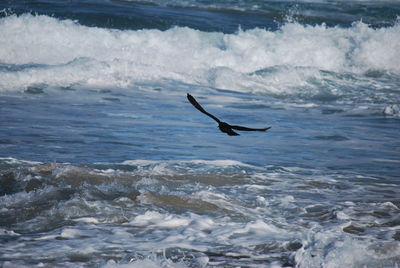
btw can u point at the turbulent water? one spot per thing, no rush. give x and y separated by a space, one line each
104 162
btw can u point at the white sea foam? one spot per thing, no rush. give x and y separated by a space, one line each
335 251
155 219
88 220
172 167
14 161
69 233
260 228
392 110
150 262
219 163
48 51
251 222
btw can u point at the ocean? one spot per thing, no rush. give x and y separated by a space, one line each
105 163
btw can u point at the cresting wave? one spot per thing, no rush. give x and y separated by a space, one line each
41 50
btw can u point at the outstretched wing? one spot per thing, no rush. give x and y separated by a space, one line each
198 106
249 129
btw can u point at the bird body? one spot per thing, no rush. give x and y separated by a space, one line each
226 128
223 126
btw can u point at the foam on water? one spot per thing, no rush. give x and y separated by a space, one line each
40 50
191 216
320 189
392 110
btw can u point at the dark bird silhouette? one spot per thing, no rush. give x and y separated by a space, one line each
223 126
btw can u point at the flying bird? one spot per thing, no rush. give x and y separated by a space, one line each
223 126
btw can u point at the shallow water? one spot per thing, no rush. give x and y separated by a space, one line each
104 162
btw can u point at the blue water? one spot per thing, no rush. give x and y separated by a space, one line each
104 162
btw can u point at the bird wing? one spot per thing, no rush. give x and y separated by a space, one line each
198 106
249 129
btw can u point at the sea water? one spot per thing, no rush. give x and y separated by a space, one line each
104 162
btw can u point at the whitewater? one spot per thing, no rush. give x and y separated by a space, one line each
104 162
47 51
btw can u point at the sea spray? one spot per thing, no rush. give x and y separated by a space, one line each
49 51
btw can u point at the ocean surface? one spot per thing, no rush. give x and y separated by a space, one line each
105 163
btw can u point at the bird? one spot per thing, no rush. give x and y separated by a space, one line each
223 126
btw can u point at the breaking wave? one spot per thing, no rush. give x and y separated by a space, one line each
41 50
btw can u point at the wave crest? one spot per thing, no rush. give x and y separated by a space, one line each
46 50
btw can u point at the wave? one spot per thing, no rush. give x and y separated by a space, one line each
42 50
192 206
